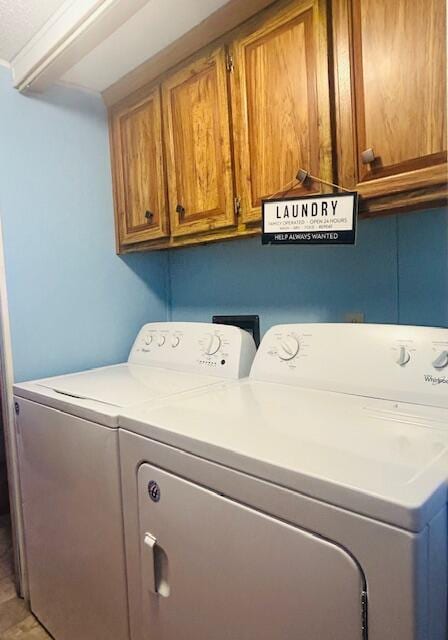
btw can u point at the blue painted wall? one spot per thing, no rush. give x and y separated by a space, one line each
73 303
397 272
422 252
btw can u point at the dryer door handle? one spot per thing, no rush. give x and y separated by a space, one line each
154 567
149 564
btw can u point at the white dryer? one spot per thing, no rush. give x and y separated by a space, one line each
308 501
69 468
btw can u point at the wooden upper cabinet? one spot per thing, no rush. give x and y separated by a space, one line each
390 62
195 111
194 156
280 102
138 171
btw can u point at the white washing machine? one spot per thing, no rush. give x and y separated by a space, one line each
306 502
69 468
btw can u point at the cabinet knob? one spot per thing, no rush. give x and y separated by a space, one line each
149 216
180 209
368 156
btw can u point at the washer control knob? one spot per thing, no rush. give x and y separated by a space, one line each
175 341
148 339
161 340
403 357
288 347
213 344
441 361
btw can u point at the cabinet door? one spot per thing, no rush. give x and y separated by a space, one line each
212 568
139 180
391 94
280 100
195 110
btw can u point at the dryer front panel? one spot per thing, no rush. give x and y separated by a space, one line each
213 568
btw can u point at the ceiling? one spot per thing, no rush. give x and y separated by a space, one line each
154 27
20 20
149 30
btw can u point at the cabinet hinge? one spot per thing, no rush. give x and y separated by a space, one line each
237 205
364 614
229 62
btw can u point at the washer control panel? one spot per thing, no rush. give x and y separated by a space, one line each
385 361
220 350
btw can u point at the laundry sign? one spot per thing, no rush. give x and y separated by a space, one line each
317 219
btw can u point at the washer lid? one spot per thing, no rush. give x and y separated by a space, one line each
379 458
100 394
125 385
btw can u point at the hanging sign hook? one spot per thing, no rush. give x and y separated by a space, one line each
302 176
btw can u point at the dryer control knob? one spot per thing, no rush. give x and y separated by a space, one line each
148 339
403 357
161 340
441 361
175 341
288 347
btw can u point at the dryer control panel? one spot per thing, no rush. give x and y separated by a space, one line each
212 349
394 362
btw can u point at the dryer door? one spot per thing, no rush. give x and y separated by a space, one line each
213 568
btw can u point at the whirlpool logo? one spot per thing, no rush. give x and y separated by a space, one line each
434 380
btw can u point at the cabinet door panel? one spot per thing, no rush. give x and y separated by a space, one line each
400 92
139 171
198 147
278 101
391 64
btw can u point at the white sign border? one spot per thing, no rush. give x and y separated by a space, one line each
346 237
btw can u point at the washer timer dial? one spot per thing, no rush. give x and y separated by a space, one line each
212 344
288 347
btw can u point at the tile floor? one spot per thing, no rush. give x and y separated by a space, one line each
16 622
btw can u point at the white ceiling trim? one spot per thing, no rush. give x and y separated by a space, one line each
72 32
153 28
77 87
